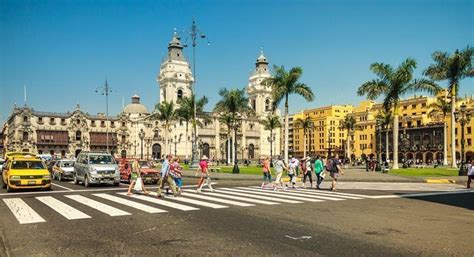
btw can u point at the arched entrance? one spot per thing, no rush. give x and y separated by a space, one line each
429 157
409 156
205 150
156 151
251 152
419 157
401 156
78 151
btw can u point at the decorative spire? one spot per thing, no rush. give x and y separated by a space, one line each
262 58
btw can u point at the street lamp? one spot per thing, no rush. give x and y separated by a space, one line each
175 142
379 123
462 116
106 90
195 33
141 135
271 139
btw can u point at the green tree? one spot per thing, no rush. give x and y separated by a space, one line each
235 103
348 124
442 107
271 122
392 84
165 112
452 68
285 83
185 113
305 124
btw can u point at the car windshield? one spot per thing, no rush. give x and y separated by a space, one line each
144 164
19 165
67 164
101 159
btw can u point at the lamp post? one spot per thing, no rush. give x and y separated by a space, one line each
463 117
176 142
379 149
106 90
141 135
195 33
271 139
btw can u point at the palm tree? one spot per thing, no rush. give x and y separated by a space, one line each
452 68
228 120
386 118
235 103
392 84
306 124
165 112
271 122
285 83
185 113
348 124
442 106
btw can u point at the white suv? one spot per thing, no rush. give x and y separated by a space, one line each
96 168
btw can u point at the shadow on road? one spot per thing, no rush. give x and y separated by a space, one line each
462 200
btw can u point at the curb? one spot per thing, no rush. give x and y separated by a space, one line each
440 181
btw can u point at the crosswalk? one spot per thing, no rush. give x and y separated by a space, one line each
76 206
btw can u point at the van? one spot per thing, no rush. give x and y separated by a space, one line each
96 168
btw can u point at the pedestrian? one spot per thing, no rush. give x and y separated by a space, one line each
279 167
165 177
176 172
319 171
292 172
204 168
334 167
266 171
307 172
135 179
470 173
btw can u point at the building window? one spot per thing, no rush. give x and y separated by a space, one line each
25 136
469 130
102 123
78 135
267 105
469 142
25 119
78 121
123 124
418 123
52 121
40 120
63 121
93 123
124 138
413 106
180 94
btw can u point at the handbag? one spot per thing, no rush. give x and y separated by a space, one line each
138 184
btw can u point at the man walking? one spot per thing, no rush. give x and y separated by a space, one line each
334 167
165 177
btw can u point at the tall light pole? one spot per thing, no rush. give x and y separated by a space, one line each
195 33
141 135
463 117
106 90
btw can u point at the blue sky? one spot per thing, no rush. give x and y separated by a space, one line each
64 50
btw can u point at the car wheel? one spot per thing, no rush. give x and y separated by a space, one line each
76 181
86 181
47 188
4 185
117 184
9 189
59 176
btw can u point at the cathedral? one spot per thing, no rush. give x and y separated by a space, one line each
132 134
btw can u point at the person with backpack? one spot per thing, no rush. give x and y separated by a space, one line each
334 168
319 169
307 172
292 172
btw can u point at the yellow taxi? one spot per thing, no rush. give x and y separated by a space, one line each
25 171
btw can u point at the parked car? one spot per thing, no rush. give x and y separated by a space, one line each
63 169
96 168
25 171
148 174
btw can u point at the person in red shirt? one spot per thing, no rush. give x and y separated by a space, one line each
266 171
203 167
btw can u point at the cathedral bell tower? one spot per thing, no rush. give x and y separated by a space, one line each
259 94
175 77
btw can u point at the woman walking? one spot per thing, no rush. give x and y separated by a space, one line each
319 169
176 172
307 172
292 172
135 178
279 167
266 171
203 166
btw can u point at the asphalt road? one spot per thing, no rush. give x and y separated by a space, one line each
371 225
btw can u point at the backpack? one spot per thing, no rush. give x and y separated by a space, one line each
331 167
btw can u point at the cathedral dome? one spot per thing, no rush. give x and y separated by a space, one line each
135 107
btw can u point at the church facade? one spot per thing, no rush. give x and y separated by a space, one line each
132 134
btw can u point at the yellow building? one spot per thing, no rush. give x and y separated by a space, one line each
420 133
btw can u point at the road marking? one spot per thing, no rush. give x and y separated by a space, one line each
421 194
321 193
261 197
23 213
192 201
337 193
245 199
162 202
249 190
65 210
104 208
219 200
139 206
67 188
299 194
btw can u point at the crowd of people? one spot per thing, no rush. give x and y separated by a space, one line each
303 168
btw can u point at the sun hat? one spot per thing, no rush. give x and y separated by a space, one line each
204 157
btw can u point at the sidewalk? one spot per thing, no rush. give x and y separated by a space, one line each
350 175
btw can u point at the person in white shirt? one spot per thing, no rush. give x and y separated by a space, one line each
307 172
470 173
